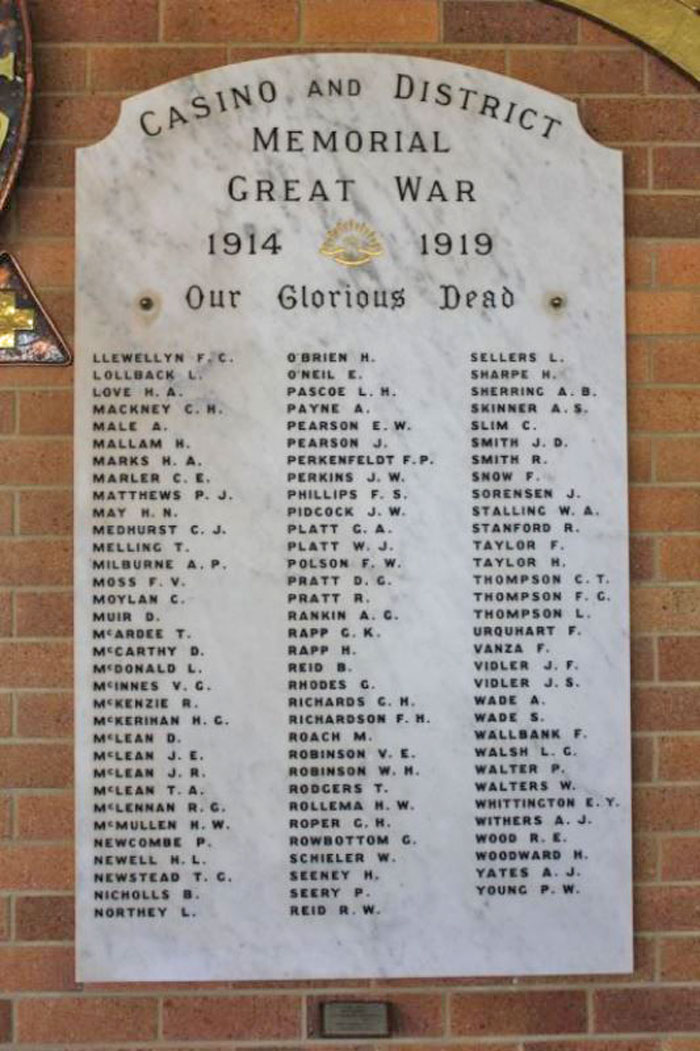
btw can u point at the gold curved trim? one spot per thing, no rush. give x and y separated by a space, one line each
671 27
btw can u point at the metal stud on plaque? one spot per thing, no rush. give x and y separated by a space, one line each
27 334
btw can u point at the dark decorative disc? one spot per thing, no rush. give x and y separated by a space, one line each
16 87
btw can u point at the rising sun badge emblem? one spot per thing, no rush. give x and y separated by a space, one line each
352 244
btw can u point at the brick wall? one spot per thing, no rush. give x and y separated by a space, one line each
90 53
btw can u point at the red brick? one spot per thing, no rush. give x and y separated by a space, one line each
46 512
25 968
232 1018
7 412
642 558
53 377
244 53
659 215
5 816
636 167
664 409
679 959
493 59
150 987
640 459
682 1044
371 21
642 659
665 609
35 665
679 658
51 263
45 212
666 79
212 21
664 510
5 614
530 1013
44 715
30 462
4 918
413 1015
5 714
646 1010
678 460
45 816
36 867
7 504
666 708
35 765
137 69
48 164
645 850
60 69
75 118
579 72
639 263
44 613
662 808
676 168
80 1020
510 22
592 32
679 558
679 758
5 1021
662 313
678 264
638 357
629 1044
457 1045
642 120
75 21
677 362
680 858
35 562
642 759
44 918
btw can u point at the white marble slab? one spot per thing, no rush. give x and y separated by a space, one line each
352 639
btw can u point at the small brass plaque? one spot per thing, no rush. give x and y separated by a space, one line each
354 1018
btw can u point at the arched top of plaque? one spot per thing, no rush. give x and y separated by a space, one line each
341 157
314 144
426 92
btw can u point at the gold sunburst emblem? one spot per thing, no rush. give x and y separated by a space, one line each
352 244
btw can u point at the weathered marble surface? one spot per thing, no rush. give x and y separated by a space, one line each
550 198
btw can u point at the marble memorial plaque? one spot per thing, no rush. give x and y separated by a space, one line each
352 616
